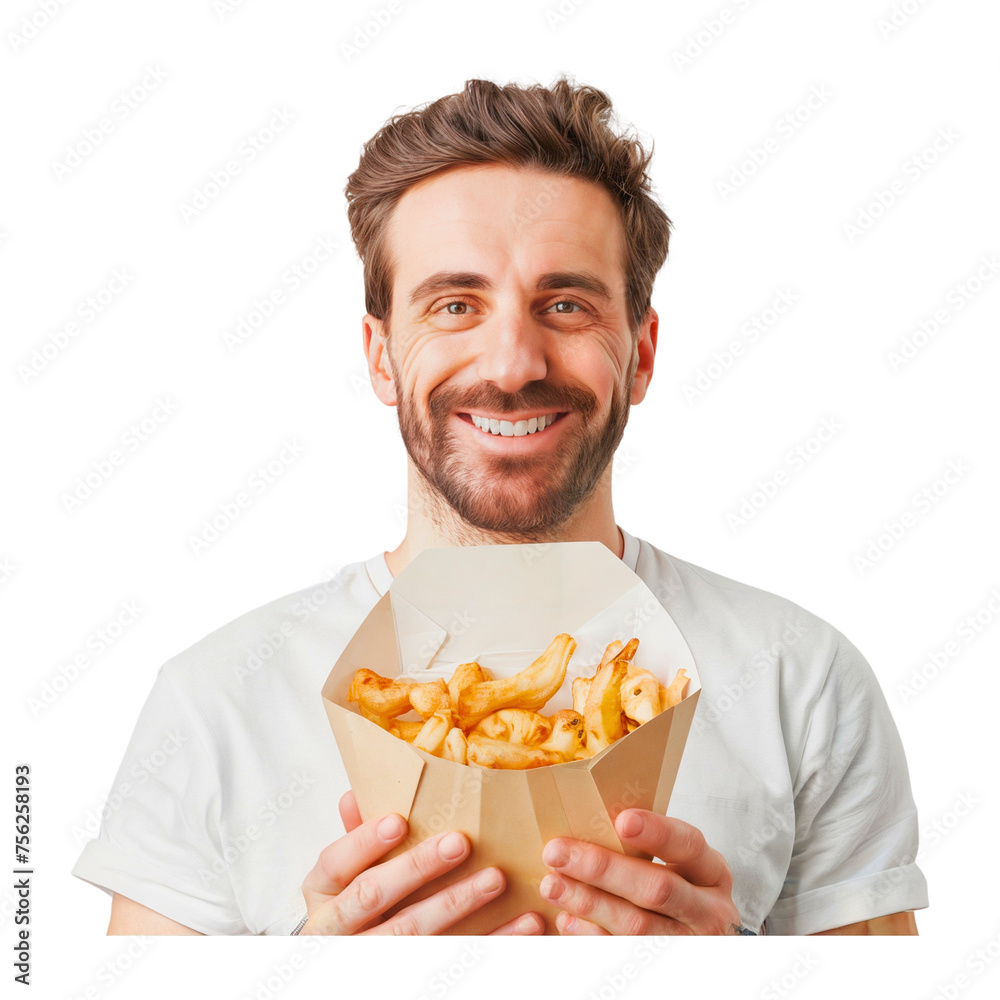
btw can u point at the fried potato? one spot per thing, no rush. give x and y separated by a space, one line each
429 697
455 746
464 675
603 711
487 752
611 651
640 695
568 733
434 732
530 688
581 688
516 725
405 730
381 696
673 693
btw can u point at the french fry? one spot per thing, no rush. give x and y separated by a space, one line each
405 730
434 732
464 675
381 696
568 733
530 688
603 711
455 746
673 693
611 651
581 688
516 725
429 697
640 694
499 754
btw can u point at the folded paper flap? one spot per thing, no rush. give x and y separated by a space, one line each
419 636
373 646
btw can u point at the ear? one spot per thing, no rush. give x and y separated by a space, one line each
377 356
647 352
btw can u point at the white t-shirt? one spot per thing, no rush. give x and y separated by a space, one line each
793 768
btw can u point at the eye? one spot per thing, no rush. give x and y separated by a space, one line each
556 306
455 307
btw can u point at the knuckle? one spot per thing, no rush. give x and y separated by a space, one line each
637 922
423 861
583 900
692 842
368 894
659 891
404 925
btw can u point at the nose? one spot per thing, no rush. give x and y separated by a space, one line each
513 352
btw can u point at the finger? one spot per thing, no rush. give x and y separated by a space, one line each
612 913
681 845
446 907
571 926
346 858
526 923
350 815
642 883
373 891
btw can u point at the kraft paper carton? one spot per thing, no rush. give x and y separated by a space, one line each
501 605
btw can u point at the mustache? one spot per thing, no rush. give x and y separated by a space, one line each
548 396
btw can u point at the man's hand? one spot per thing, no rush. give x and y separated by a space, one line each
347 892
600 891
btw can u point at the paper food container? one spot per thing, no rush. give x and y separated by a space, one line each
502 605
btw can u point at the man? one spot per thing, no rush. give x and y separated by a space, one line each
510 244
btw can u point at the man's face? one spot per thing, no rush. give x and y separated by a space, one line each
508 311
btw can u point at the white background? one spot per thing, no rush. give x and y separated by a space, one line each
684 467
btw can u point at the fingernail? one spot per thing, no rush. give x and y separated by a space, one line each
527 925
390 828
564 923
632 825
555 854
488 881
451 846
551 887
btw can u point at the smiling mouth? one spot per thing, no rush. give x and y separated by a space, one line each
511 428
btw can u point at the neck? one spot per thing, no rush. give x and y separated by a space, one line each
431 523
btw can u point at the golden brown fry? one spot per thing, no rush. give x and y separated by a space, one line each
531 688
434 732
455 747
673 693
640 694
464 675
515 725
603 711
508 756
611 652
581 688
379 720
382 696
405 730
568 733
429 697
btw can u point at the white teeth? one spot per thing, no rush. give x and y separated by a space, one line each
506 428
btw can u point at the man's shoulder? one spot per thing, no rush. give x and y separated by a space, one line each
299 630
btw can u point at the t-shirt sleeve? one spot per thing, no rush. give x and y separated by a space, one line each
856 827
159 840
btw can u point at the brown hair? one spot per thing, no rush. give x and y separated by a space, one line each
566 128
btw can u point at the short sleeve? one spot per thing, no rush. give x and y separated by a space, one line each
159 842
856 826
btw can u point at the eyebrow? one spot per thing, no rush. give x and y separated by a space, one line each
442 280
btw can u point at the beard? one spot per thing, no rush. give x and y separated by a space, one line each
522 497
